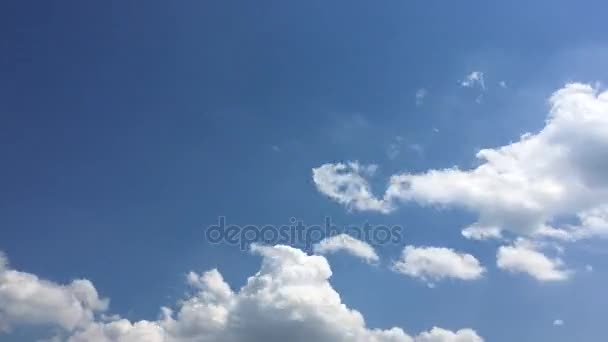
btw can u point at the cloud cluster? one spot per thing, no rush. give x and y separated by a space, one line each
524 187
521 187
436 263
348 244
288 299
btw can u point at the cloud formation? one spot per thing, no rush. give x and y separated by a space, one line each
345 184
523 257
348 244
25 298
436 263
288 299
522 187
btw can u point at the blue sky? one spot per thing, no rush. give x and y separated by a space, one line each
128 129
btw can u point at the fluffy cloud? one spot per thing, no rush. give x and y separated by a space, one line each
348 244
120 330
522 187
442 335
345 184
436 263
523 257
288 299
27 299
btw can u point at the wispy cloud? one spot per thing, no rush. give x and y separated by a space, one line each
474 79
420 96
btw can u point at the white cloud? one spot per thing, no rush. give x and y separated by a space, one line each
442 335
588 268
436 263
502 84
345 184
473 79
288 299
523 257
558 322
522 187
347 243
593 223
27 299
420 96
479 232
120 330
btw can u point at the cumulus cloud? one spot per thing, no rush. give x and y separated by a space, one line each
348 244
442 335
474 79
522 187
27 299
288 299
558 322
436 263
523 257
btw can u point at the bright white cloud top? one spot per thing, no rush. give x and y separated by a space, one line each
522 187
289 299
523 257
348 244
437 263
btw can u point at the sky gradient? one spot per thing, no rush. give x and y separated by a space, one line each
128 129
